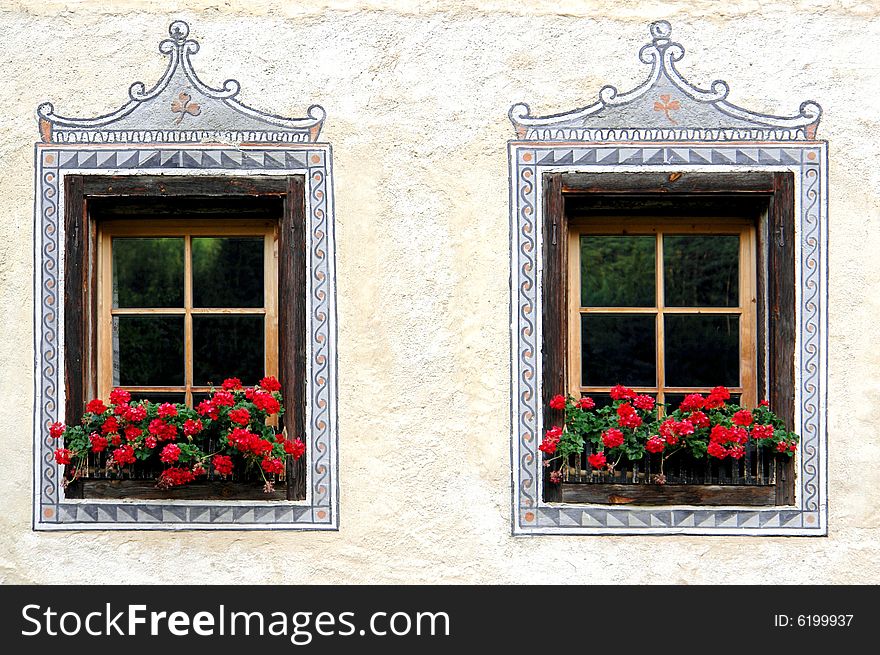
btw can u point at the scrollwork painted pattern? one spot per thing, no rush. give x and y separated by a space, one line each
527 392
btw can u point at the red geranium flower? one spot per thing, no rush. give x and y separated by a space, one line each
692 402
170 453
597 460
655 444
110 425
124 455
266 402
743 417
96 406
240 415
62 455
222 464
296 448
119 397
56 430
151 442
98 442
166 410
174 477
223 398
764 403
231 383
135 414
586 403
645 403
699 420
762 431
209 409
270 383
161 430
612 438
557 402
272 465
192 427
132 432
619 392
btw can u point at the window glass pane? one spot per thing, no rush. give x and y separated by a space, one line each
617 271
225 347
148 351
618 349
702 350
701 270
227 271
147 272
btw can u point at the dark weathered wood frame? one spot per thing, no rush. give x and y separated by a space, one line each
80 279
771 197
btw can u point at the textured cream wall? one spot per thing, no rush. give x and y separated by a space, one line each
417 96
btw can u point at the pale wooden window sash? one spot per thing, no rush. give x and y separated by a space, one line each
186 229
747 309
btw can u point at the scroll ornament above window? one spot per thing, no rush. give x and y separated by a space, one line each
665 107
180 108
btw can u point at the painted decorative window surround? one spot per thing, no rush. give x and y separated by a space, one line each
182 127
669 130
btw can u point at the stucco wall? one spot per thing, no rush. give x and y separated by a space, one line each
417 98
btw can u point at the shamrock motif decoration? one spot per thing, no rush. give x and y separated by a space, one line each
183 106
666 105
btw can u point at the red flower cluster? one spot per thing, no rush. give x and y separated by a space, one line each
557 402
644 403
240 416
272 465
56 430
612 438
692 402
619 392
627 417
551 440
119 397
597 460
124 455
96 406
727 442
175 477
135 413
192 427
295 448
166 410
585 403
743 417
655 444
62 455
762 431
222 464
209 409
266 402
161 430
248 442
270 384
98 442
170 453
230 384
110 425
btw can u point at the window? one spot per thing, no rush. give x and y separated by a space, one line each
664 307
184 304
182 283
670 294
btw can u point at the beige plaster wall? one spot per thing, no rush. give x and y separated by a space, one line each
417 95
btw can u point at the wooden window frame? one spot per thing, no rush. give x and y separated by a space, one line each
81 311
769 197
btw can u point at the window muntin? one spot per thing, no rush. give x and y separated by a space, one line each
622 329
184 304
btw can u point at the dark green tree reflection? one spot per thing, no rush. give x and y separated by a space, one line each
227 271
701 270
618 348
148 351
147 272
618 271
